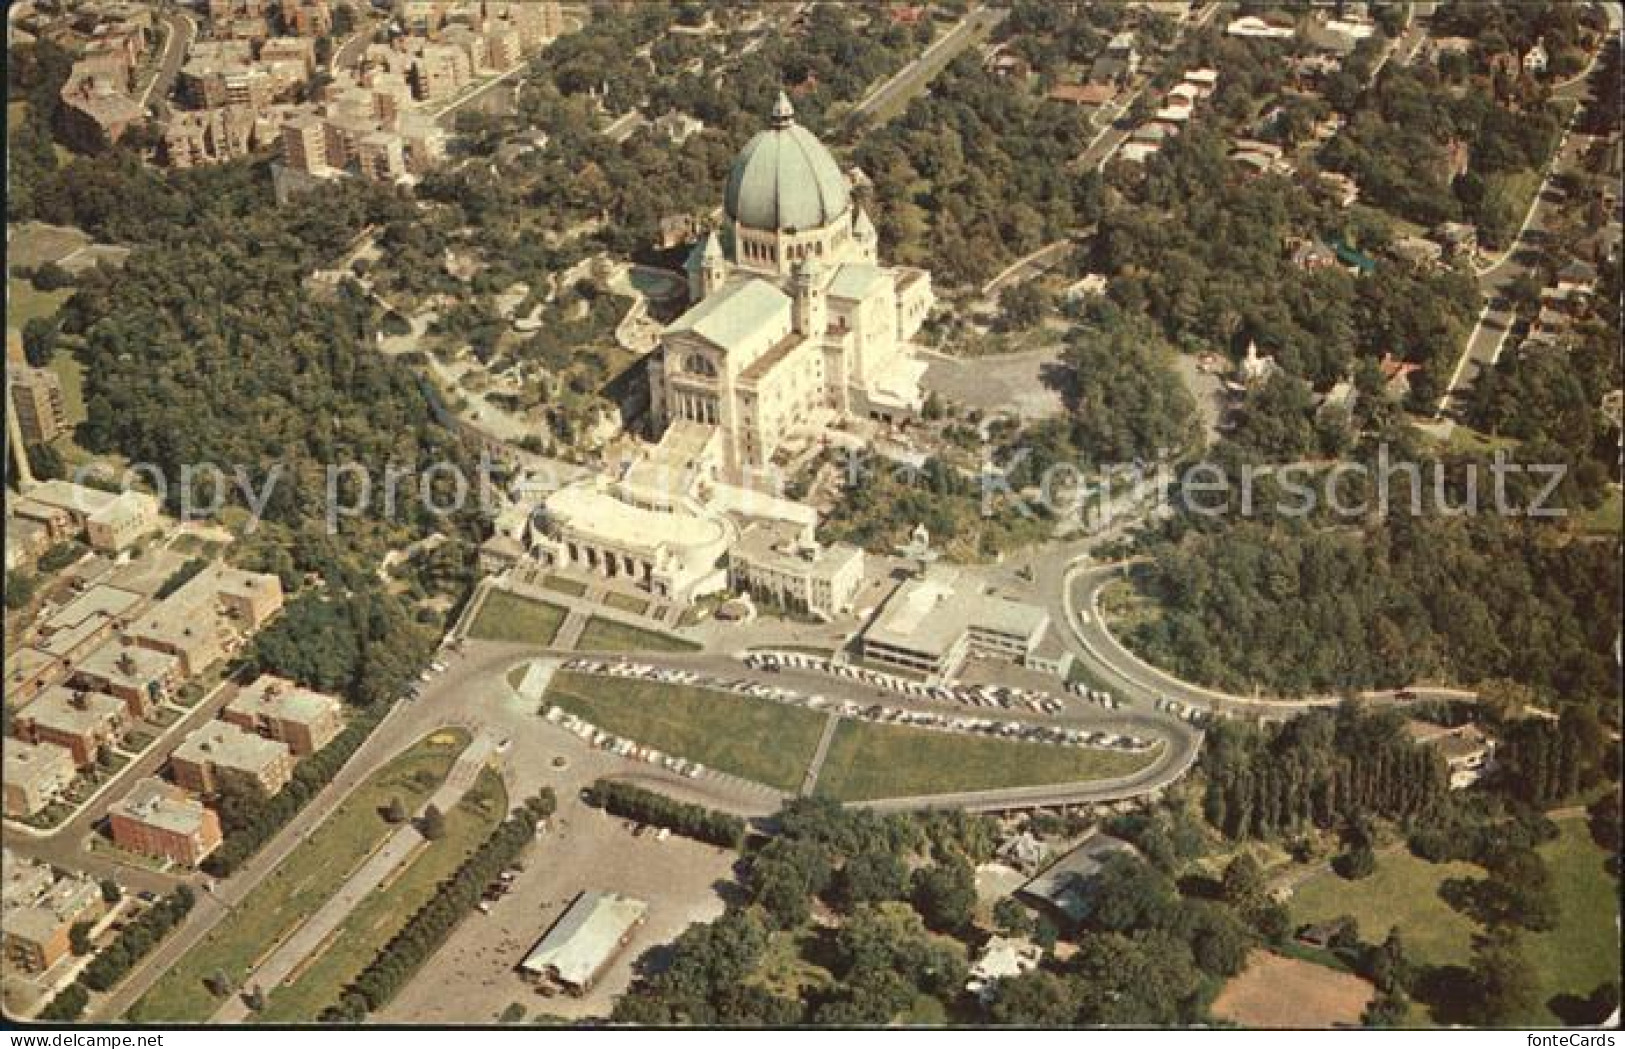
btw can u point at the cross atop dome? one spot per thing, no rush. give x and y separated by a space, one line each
784 114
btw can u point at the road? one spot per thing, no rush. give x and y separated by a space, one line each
1110 138
914 76
65 846
181 31
1495 321
348 54
1025 269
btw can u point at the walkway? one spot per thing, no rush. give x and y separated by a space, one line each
378 869
816 766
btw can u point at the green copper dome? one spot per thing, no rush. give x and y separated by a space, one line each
785 179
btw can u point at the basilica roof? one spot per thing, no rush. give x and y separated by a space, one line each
785 179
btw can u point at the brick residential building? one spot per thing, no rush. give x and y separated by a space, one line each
34 775
278 709
38 911
80 722
220 751
161 820
141 677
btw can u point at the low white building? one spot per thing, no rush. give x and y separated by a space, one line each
1002 958
582 943
930 624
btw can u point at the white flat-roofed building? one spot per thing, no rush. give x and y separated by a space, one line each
780 563
931 623
585 939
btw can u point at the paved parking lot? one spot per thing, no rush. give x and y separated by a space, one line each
473 978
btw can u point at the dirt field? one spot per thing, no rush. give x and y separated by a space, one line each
1274 991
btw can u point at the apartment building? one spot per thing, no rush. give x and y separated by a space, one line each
38 911
276 708
33 775
220 752
161 820
80 722
36 397
141 677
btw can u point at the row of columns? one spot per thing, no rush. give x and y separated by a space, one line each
610 563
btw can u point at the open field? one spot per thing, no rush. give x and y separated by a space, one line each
1608 518
509 617
607 635
33 244
306 879
868 761
1274 991
759 740
24 302
1404 891
382 914
1572 959
1583 951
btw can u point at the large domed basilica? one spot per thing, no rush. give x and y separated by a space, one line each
795 324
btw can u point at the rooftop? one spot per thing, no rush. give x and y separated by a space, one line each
585 937
279 698
74 711
31 763
735 312
931 613
127 665
1065 885
227 746
162 805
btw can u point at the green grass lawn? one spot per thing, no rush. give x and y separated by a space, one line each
1574 958
509 617
1583 950
24 302
869 761
1404 891
565 585
305 880
1607 518
606 635
760 740
626 602
382 914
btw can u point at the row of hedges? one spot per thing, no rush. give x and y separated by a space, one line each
433 924
645 806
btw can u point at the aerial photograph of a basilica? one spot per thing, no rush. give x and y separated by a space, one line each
968 514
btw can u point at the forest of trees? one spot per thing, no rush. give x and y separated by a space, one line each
1324 769
1205 256
1397 147
974 175
1292 608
